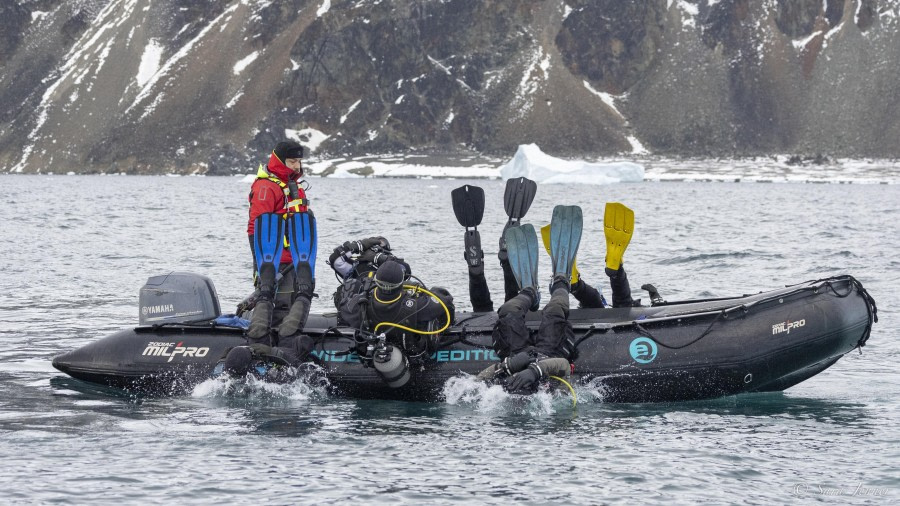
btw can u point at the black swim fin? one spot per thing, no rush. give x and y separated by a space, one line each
565 237
268 243
468 206
303 240
522 247
518 197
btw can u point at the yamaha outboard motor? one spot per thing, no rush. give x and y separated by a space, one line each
178 297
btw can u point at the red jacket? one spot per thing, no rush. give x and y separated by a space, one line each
268 195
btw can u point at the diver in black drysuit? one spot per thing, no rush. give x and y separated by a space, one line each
525 358
371 292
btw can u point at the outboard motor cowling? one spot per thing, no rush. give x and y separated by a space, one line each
178 297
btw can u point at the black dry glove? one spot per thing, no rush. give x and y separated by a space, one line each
377 257
260 349
369 257
355 247
524 381
381 242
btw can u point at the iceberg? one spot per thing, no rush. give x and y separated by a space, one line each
529 161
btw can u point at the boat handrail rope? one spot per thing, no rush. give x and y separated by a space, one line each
723 314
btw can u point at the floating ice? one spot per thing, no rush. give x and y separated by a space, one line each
529 161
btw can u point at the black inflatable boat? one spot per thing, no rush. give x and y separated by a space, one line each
694 349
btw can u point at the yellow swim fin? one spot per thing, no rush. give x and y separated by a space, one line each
618 226
545 236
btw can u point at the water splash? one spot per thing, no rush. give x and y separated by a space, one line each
465 390
306 387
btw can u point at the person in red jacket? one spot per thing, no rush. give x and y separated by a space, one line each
283 303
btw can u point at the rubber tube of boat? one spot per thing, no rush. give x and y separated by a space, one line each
392 366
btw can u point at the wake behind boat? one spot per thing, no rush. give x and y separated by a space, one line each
670 351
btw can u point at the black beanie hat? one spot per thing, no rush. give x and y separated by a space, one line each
390 276
288 149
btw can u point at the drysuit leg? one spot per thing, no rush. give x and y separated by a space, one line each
295 349
621 290
510 286
479 294
587 296
511 335
555 337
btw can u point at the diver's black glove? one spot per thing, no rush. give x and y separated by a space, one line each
515 363
377 257
353 247
375 241
524 381
260 349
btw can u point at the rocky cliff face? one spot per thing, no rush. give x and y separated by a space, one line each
187 86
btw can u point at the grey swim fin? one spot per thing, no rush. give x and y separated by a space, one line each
522 246
565 237
517 199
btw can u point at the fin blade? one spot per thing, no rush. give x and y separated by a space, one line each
521 244
268 240
303 240
618 227
468 205
518 196
565 237
545 238
531 247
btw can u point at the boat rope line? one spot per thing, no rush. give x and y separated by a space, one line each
584 336
644 332
871 308
828 283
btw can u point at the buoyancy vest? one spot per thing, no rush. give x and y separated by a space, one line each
295 205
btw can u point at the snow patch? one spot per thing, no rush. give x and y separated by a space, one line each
309 137
605 97
184 51
800 44
529 161
636 147
326 5
234 100
149 62
350 110
244 62
690 11
38 15
440 66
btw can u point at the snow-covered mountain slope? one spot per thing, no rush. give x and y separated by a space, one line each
180 85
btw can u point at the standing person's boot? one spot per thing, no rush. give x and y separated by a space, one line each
261 321
296 317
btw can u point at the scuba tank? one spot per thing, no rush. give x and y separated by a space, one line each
391 364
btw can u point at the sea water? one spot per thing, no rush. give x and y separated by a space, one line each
76 249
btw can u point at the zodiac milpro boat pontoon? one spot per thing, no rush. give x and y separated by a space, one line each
670 351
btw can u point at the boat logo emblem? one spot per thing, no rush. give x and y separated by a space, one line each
779 328
643 350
